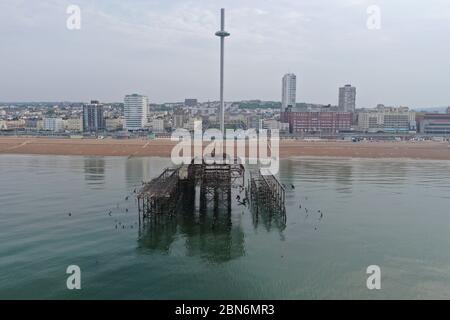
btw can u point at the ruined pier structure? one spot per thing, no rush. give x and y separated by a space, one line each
267 193
211 185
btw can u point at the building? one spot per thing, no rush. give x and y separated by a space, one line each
434 124
12 124
190 124
179 118
323 122
73 124
387 119
190 102
347 98
157 125
93 119
448 110
273 124
53 124
31 124
135 112
289 91
254 122
113 124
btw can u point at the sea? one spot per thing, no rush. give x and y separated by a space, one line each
343 216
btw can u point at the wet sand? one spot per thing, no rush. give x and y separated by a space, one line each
162 148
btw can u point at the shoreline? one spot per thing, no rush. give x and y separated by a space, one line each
426 150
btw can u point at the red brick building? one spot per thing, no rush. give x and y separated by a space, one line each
328 122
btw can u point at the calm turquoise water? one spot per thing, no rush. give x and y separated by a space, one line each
392 213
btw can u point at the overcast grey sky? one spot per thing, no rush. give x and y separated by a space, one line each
167 50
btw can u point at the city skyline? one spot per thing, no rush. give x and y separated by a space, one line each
386 65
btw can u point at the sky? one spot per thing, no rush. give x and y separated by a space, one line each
166 49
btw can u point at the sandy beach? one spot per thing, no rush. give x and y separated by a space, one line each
162 148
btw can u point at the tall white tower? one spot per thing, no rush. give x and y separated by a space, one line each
289 91
222 34
135 111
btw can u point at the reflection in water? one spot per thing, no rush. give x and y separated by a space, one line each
342 173
136 169
209 225
209 234
144 169
269 220
215 239
316 169
381 172
94 171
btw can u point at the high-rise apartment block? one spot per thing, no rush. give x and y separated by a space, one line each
135 111
93 119
289 91
347 98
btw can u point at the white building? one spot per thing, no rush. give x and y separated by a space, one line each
387 119
73 124
347 98
289 91
135 111
53 124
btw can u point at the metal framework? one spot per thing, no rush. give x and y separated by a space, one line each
267 194
159 195
215 181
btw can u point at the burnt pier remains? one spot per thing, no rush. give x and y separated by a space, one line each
210 183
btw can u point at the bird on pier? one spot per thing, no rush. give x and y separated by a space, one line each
126 210
70 214
238 197
126 198
109 213
292 186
